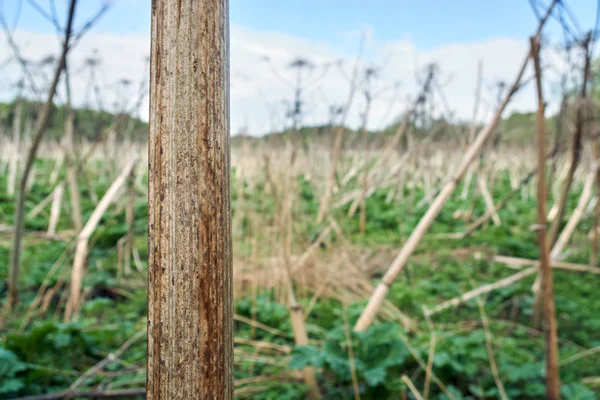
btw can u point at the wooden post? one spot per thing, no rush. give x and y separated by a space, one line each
190 307
552 376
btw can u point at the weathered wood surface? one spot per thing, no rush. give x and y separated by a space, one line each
190 309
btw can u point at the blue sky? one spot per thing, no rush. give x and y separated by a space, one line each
404 36
429 23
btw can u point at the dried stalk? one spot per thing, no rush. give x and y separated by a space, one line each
40 129
562 241
351 357
382 289
72 173
42 204
576 150
13 165
490 212
481 290
97 368
517 263
412 387
190 272
489 201
55 209
81 248
430 356
337 143
130 221
490 350
296 313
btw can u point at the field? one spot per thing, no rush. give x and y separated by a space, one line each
484 347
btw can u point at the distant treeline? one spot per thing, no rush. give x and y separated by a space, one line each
518 128
89 124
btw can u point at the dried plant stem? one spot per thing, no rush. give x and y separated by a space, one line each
430 356
482 290
576 149
13 166
370 312
351 357
190 268
337 143
72 173
489 201
296 313
551 336
112 357
55 209
39 130
491 211
490 350
411 387
130 221
81 248
516 262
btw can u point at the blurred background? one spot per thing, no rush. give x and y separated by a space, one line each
394 115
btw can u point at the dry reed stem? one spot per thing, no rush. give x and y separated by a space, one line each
412 387
81 248
489 201
97 368
337 143
351 357
580 355
490 350
515 262
13 166
474 149
382 289
430 356
76 214
481 290
55 209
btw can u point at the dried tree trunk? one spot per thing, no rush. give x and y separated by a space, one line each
40 128
552 375
382 289
190 296
81 248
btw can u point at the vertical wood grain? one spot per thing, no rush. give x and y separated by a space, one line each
190 309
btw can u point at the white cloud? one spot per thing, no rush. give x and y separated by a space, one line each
258 94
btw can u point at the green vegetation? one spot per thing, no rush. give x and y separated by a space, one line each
40 354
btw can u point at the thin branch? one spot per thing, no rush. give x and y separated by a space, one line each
46 15
490 350
92 21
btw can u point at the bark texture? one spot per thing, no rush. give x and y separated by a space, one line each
190 308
